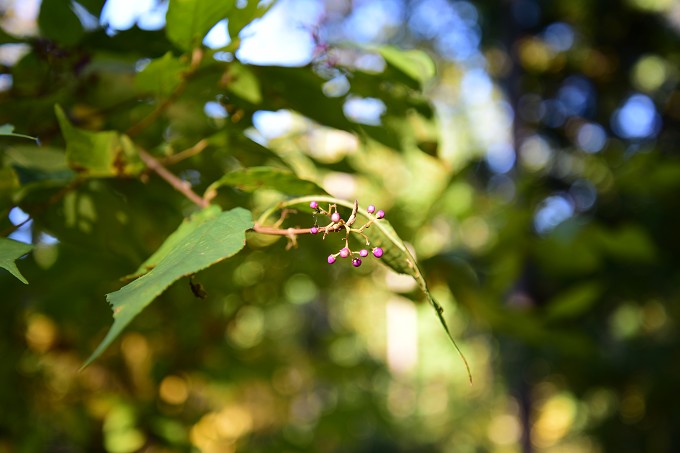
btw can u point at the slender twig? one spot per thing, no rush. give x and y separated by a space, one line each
291 231
185 154
181 186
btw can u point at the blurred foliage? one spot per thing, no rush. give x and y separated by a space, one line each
534 174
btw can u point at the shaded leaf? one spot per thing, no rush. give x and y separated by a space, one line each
256 178
243 83
188 21
59 22
574 301
161 76
98 154
206 244
10 251
8 131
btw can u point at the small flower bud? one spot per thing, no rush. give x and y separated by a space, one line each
314 205
356 262
314 229
363 252
344 252
377 252
370 209
380 214
335 217
331 259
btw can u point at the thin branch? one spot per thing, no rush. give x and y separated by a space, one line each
181 186
185 154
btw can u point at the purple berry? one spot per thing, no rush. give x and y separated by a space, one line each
380 214
377 252
314 205
344 252
356 262
314 230
363 252
370 209
335 217
331 259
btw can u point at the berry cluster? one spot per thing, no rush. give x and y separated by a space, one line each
338 224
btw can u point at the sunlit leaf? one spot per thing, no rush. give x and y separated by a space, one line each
207 243
98 154
255 178
396 255
242 15
10 251
188 21
176 238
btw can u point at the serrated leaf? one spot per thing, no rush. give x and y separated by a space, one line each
395 255
10 251
175 239
208 243
98 154
256 178
161 76
188 21
8 131
59 22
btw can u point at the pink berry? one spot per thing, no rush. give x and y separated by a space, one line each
335 217
314 205
363 252
377 252
331 259
356 262
370 209
344 252
314 230
380 214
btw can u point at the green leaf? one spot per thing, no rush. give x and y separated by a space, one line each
188 21
93 6
8 131
175 239
10 251
574 301
59 22
161 76
202 245
243 83
6 38
256 178
98 154
396 256
415 65
240 17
